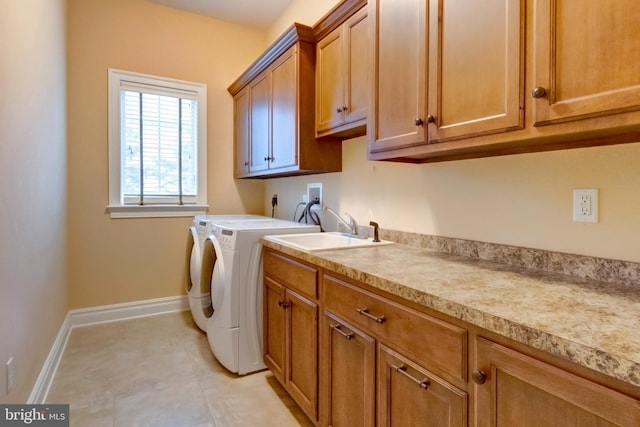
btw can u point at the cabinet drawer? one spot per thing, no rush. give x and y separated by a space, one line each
437 345
292 274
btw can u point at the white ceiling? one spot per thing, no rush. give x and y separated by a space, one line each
259 14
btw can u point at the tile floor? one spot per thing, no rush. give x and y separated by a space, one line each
159 371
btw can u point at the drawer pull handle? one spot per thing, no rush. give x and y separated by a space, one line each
283 304
365 312
479 377
347 335
538 92
402 369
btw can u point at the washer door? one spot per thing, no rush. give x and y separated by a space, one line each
193 260
211 275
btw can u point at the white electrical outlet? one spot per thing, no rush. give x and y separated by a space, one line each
10 375
585 205
314 192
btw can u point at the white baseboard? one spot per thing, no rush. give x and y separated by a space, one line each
127 310
91 316
43 383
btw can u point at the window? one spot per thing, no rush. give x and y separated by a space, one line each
157 146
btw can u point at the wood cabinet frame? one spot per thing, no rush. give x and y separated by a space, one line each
342 76
581 118
285 144
469 402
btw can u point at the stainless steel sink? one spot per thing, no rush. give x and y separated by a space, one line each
324 241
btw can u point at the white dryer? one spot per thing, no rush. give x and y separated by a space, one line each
199 301
232 270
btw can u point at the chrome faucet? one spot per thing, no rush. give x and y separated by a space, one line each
352 225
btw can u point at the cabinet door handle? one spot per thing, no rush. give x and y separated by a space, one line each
418 121
402 369
345 109
479 377
283 304
538 92
338 110
431 119
266 159
347 335
365 313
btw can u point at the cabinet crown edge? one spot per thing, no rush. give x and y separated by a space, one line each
295 33
337 16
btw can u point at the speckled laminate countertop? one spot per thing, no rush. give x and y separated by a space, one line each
592 323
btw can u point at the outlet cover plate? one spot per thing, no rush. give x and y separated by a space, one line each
585 205
315 190
10 375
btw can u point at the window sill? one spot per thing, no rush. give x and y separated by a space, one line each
155 211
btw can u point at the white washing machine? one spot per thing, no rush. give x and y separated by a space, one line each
232 269
199 301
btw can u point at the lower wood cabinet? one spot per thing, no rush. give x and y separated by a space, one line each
410 395
375 362
513 389
274 341
351 357
436 344
348 375
290 329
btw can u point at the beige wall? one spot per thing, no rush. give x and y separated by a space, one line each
302 11
33 299
523 200
113 261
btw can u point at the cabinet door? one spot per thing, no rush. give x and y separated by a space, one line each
302 352
329 81
476 68
398 106
241 126
284 110
349 374
260 123
274 328
409 395
356 49
586 58
522 391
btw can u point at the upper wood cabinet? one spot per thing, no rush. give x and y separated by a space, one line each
476 68
274 132
399 72
586 59
504 77
342 78
284 104
259 143
241 129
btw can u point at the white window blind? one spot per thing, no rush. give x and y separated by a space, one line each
159 162
159 143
